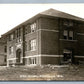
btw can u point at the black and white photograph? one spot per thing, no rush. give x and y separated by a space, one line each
42 42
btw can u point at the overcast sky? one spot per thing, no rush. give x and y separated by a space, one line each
13 14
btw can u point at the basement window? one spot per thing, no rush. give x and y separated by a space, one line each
32 60
67 55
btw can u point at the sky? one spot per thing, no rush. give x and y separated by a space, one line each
12 15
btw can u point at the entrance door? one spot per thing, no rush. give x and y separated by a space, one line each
18 55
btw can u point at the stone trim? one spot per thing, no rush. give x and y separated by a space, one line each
43 30
68 40
79 56
80 33
48 30
43 55
12 59
2 54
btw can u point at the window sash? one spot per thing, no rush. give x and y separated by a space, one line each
33 44
11 50
65 32
33 27
71 34
32 60
18 32
12 36
68 34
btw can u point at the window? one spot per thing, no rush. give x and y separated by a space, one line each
66 23
5 49
11 37
25 46
67 55
71 23
32 60
70 35
26 29
32 44
10 50
33 27
5 58
18 40
18 32
65 34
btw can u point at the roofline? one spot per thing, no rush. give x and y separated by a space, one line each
37 16
22 24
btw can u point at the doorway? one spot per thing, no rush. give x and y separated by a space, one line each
18 56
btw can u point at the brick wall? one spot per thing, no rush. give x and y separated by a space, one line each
49 37
3 54
80 38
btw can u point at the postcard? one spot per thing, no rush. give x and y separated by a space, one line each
42 42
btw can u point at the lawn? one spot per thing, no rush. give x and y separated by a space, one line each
47 72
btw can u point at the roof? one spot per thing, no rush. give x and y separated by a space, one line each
56 13
49 12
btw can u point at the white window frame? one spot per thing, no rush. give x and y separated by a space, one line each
32 61
33 27
11 50
71 34
33 45
12 36
65 33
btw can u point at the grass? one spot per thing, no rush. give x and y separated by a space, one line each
47 72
